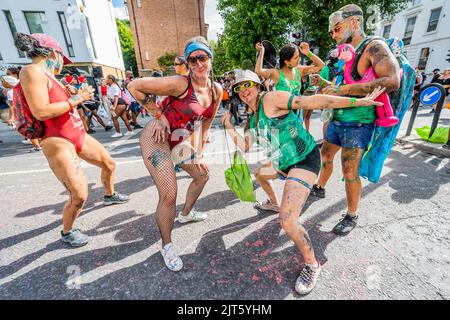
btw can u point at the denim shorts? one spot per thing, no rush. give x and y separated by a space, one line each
349 134
135 106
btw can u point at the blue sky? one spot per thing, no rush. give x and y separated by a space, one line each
117 3
212 17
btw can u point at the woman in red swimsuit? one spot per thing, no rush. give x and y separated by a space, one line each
64 141
170 139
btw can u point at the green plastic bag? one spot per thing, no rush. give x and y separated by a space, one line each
238 178
440 135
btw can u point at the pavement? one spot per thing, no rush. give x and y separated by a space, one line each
399 250
424 118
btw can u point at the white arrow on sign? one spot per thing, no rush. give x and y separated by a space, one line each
429 96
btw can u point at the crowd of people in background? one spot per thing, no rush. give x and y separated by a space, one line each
111 101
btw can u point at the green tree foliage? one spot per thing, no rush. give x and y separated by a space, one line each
314 17
250 21
221 62
127 45
167 60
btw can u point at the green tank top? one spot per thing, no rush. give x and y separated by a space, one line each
284 140
292 86
356 114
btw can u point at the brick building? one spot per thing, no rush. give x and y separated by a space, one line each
163 26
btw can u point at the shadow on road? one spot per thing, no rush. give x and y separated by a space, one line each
262 265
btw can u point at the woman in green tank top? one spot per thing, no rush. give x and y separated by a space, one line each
289 76
292 153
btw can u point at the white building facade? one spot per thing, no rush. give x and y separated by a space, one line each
85 29
424 27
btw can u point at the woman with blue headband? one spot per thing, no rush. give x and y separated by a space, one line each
177 136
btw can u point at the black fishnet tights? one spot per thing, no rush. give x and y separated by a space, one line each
157 159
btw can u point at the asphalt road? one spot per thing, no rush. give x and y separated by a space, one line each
400 249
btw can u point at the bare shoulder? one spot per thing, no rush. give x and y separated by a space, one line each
275 97
377 47
218 87
31 71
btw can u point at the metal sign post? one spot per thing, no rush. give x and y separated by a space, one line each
429 95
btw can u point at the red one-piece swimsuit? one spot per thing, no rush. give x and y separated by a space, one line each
183 113
68 125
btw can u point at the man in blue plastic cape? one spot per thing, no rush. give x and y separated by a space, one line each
352 128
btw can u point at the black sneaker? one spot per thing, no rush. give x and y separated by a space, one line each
345 225
446 146
138 126
107 128
318 191
91 131
116 198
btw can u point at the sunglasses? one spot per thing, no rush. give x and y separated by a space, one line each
178 63
336 29
202 58
246 85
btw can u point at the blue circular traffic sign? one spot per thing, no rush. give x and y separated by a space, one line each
430 95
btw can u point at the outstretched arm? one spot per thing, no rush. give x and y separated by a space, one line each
321 101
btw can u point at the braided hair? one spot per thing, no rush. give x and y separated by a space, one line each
25 42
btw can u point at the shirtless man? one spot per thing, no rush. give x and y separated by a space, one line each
351 129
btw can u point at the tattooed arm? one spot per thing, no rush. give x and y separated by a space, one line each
144 89
35 87
279 100
386 67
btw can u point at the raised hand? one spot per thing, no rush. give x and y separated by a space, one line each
259 47
304 48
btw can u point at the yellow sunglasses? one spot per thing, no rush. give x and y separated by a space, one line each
245 85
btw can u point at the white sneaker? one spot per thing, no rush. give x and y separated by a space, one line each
172 261
129 133
117 135
193 216
26 141
33 150
307 279
267 206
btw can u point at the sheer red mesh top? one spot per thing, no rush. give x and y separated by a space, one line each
183 113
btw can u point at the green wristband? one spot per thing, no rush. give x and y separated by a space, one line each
322 84
310 54
352 102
